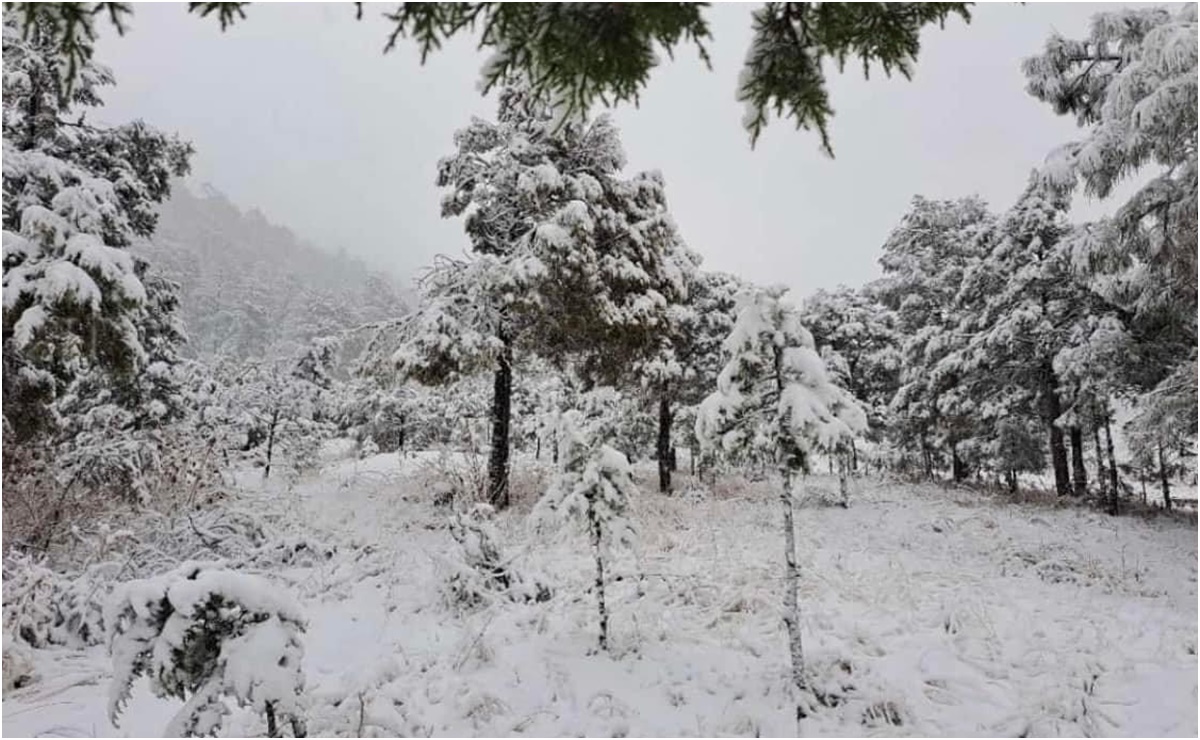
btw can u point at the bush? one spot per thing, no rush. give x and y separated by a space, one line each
44 608
202 634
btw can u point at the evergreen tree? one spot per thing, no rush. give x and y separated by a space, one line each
1131 85
859 342
595 485
924 261
568 261
77 304
775 398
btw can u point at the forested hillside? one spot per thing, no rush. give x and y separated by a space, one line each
253 289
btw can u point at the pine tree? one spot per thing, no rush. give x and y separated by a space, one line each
775 398
1131 86
568 261
858 336
77 304
595 485
924 261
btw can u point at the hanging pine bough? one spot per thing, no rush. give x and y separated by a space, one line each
580 53
774 397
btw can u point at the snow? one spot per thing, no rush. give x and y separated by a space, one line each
27 326
940 608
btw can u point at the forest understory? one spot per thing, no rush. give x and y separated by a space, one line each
925 610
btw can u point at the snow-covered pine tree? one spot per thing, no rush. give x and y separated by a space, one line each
1131 85
774 397
924 261
700 328
595 486
860 333
76 302
567 261
201 634
1015 306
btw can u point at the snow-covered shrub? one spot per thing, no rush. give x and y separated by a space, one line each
289 552
43 608
454 477
595 486
202 634
369 701
368 448
486 571
18 665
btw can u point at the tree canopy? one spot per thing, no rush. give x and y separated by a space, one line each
576 54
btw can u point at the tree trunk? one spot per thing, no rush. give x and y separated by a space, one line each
1114 483
853 457
598 552
843 478
1101 478
271 441
1058 450
1163 478
958 471
501 422
663 448
1077 469
791 601
1012 481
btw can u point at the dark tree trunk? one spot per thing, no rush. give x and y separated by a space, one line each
1058 450
853 457
271 442
1114 483
501 422
1164 478
1100 477
1077 468
598 552
958 470
663 448
1012 481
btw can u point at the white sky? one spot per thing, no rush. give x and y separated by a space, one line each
296 111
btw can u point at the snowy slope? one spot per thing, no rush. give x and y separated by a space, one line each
926 612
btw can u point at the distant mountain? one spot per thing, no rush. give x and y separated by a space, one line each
250 288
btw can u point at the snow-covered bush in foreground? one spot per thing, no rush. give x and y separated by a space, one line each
595 485
774 398
42 607
202 633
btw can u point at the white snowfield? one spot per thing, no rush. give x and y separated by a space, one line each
925 612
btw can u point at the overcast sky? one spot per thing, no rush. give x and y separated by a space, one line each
297 112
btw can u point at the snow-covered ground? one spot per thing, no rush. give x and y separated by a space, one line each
925 612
